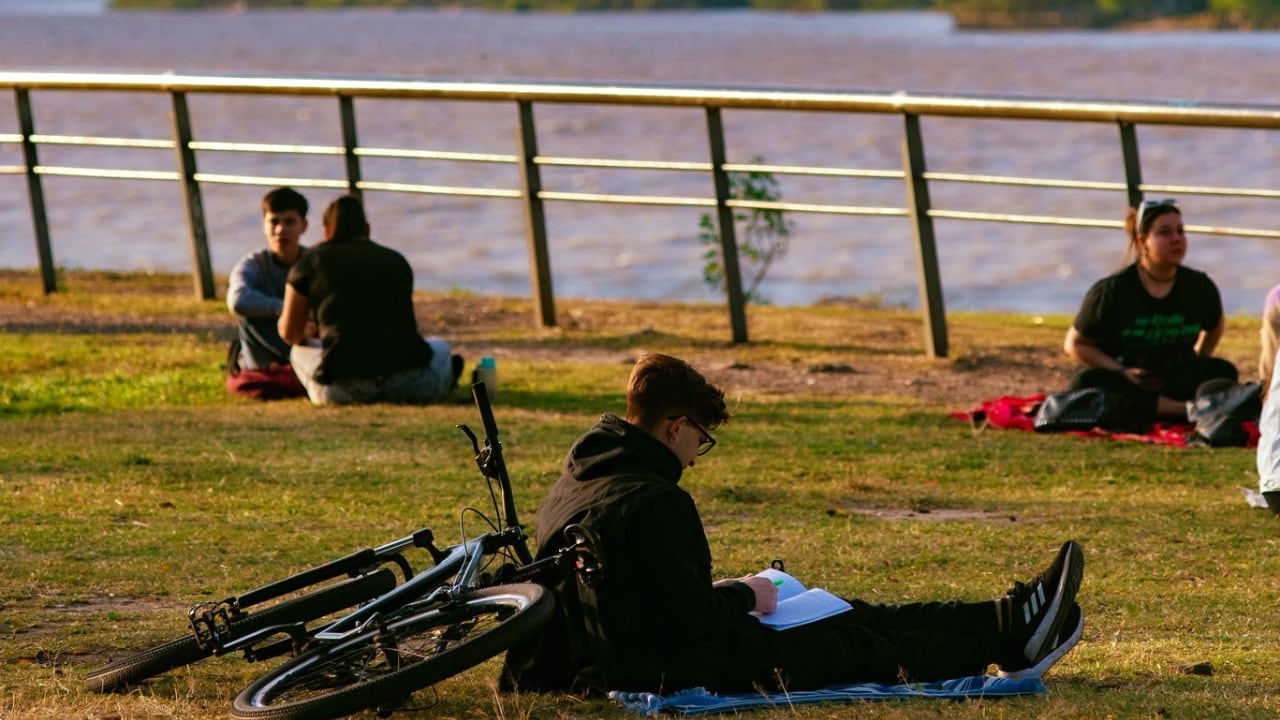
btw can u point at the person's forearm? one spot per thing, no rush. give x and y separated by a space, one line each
244 299
292 324
1209 340
1093 356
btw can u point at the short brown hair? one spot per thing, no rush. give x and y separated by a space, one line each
283 199
663 386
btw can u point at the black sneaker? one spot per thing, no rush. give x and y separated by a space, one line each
1068 635
1035 611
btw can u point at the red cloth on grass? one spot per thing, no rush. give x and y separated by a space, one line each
1019 413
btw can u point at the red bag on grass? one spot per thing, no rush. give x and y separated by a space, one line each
274 382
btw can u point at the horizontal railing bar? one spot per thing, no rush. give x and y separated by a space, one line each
803 170
706 167
1217 191
10 138
1177 112
220 146
434 155
1234 231
1024 182
816 208
706 202
12 169
223 179
439 189
57 170
626 199
1092 222
626 164
1025 219
101 141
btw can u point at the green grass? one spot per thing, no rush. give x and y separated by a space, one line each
133 486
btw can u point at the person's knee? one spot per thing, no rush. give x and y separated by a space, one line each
1094 377
1216 367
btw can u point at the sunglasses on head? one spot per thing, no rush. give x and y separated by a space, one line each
1148 205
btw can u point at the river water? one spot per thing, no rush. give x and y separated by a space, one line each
646 252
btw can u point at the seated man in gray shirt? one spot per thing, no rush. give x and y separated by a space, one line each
255 292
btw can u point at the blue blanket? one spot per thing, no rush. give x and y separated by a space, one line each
697 701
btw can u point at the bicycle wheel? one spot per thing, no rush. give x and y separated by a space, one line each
405 654
185 650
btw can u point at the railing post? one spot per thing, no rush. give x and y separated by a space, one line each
724 220
201 265
935 315
1132 163
35 191
535 219
348 108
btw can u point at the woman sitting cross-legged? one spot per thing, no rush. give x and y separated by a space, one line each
1147 333
366 347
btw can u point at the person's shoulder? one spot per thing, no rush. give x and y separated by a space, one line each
253 256
389 252
1119 278
1185 271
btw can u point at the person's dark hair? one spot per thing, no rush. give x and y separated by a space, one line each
344 219
283 199
662 386
1134 250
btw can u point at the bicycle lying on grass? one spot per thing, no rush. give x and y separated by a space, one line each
400 639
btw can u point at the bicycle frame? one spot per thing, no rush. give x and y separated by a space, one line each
457 569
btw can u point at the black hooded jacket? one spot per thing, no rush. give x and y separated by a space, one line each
654 622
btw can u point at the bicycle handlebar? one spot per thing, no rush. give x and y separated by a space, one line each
496 466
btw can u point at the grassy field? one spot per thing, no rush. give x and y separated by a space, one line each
135 486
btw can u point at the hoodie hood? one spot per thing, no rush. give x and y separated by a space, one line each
615 447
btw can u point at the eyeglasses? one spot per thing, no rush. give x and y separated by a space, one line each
707 443
1147 205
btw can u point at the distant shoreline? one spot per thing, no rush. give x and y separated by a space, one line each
1085 17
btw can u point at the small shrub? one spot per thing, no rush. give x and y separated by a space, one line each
764 234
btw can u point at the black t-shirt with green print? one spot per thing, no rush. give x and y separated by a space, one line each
1155 334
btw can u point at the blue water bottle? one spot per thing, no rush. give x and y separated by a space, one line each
487 373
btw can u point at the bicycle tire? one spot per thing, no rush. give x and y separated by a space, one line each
405 654
185 650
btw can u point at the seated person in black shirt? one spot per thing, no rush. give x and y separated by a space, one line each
1147 333
348 312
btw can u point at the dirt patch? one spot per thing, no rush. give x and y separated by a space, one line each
932 514
40 638
486 326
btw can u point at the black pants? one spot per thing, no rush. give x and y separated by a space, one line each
1273 501
892 644
1141 402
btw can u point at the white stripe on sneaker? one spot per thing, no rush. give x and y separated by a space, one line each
1032 606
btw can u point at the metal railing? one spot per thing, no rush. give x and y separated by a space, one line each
1126 116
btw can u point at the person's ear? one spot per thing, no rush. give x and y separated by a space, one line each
673 428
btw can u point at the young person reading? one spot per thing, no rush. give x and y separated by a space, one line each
656 621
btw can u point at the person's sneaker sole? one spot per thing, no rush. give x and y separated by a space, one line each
1072 572
1053 656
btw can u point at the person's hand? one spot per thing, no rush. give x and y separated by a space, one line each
765 591
1137 376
